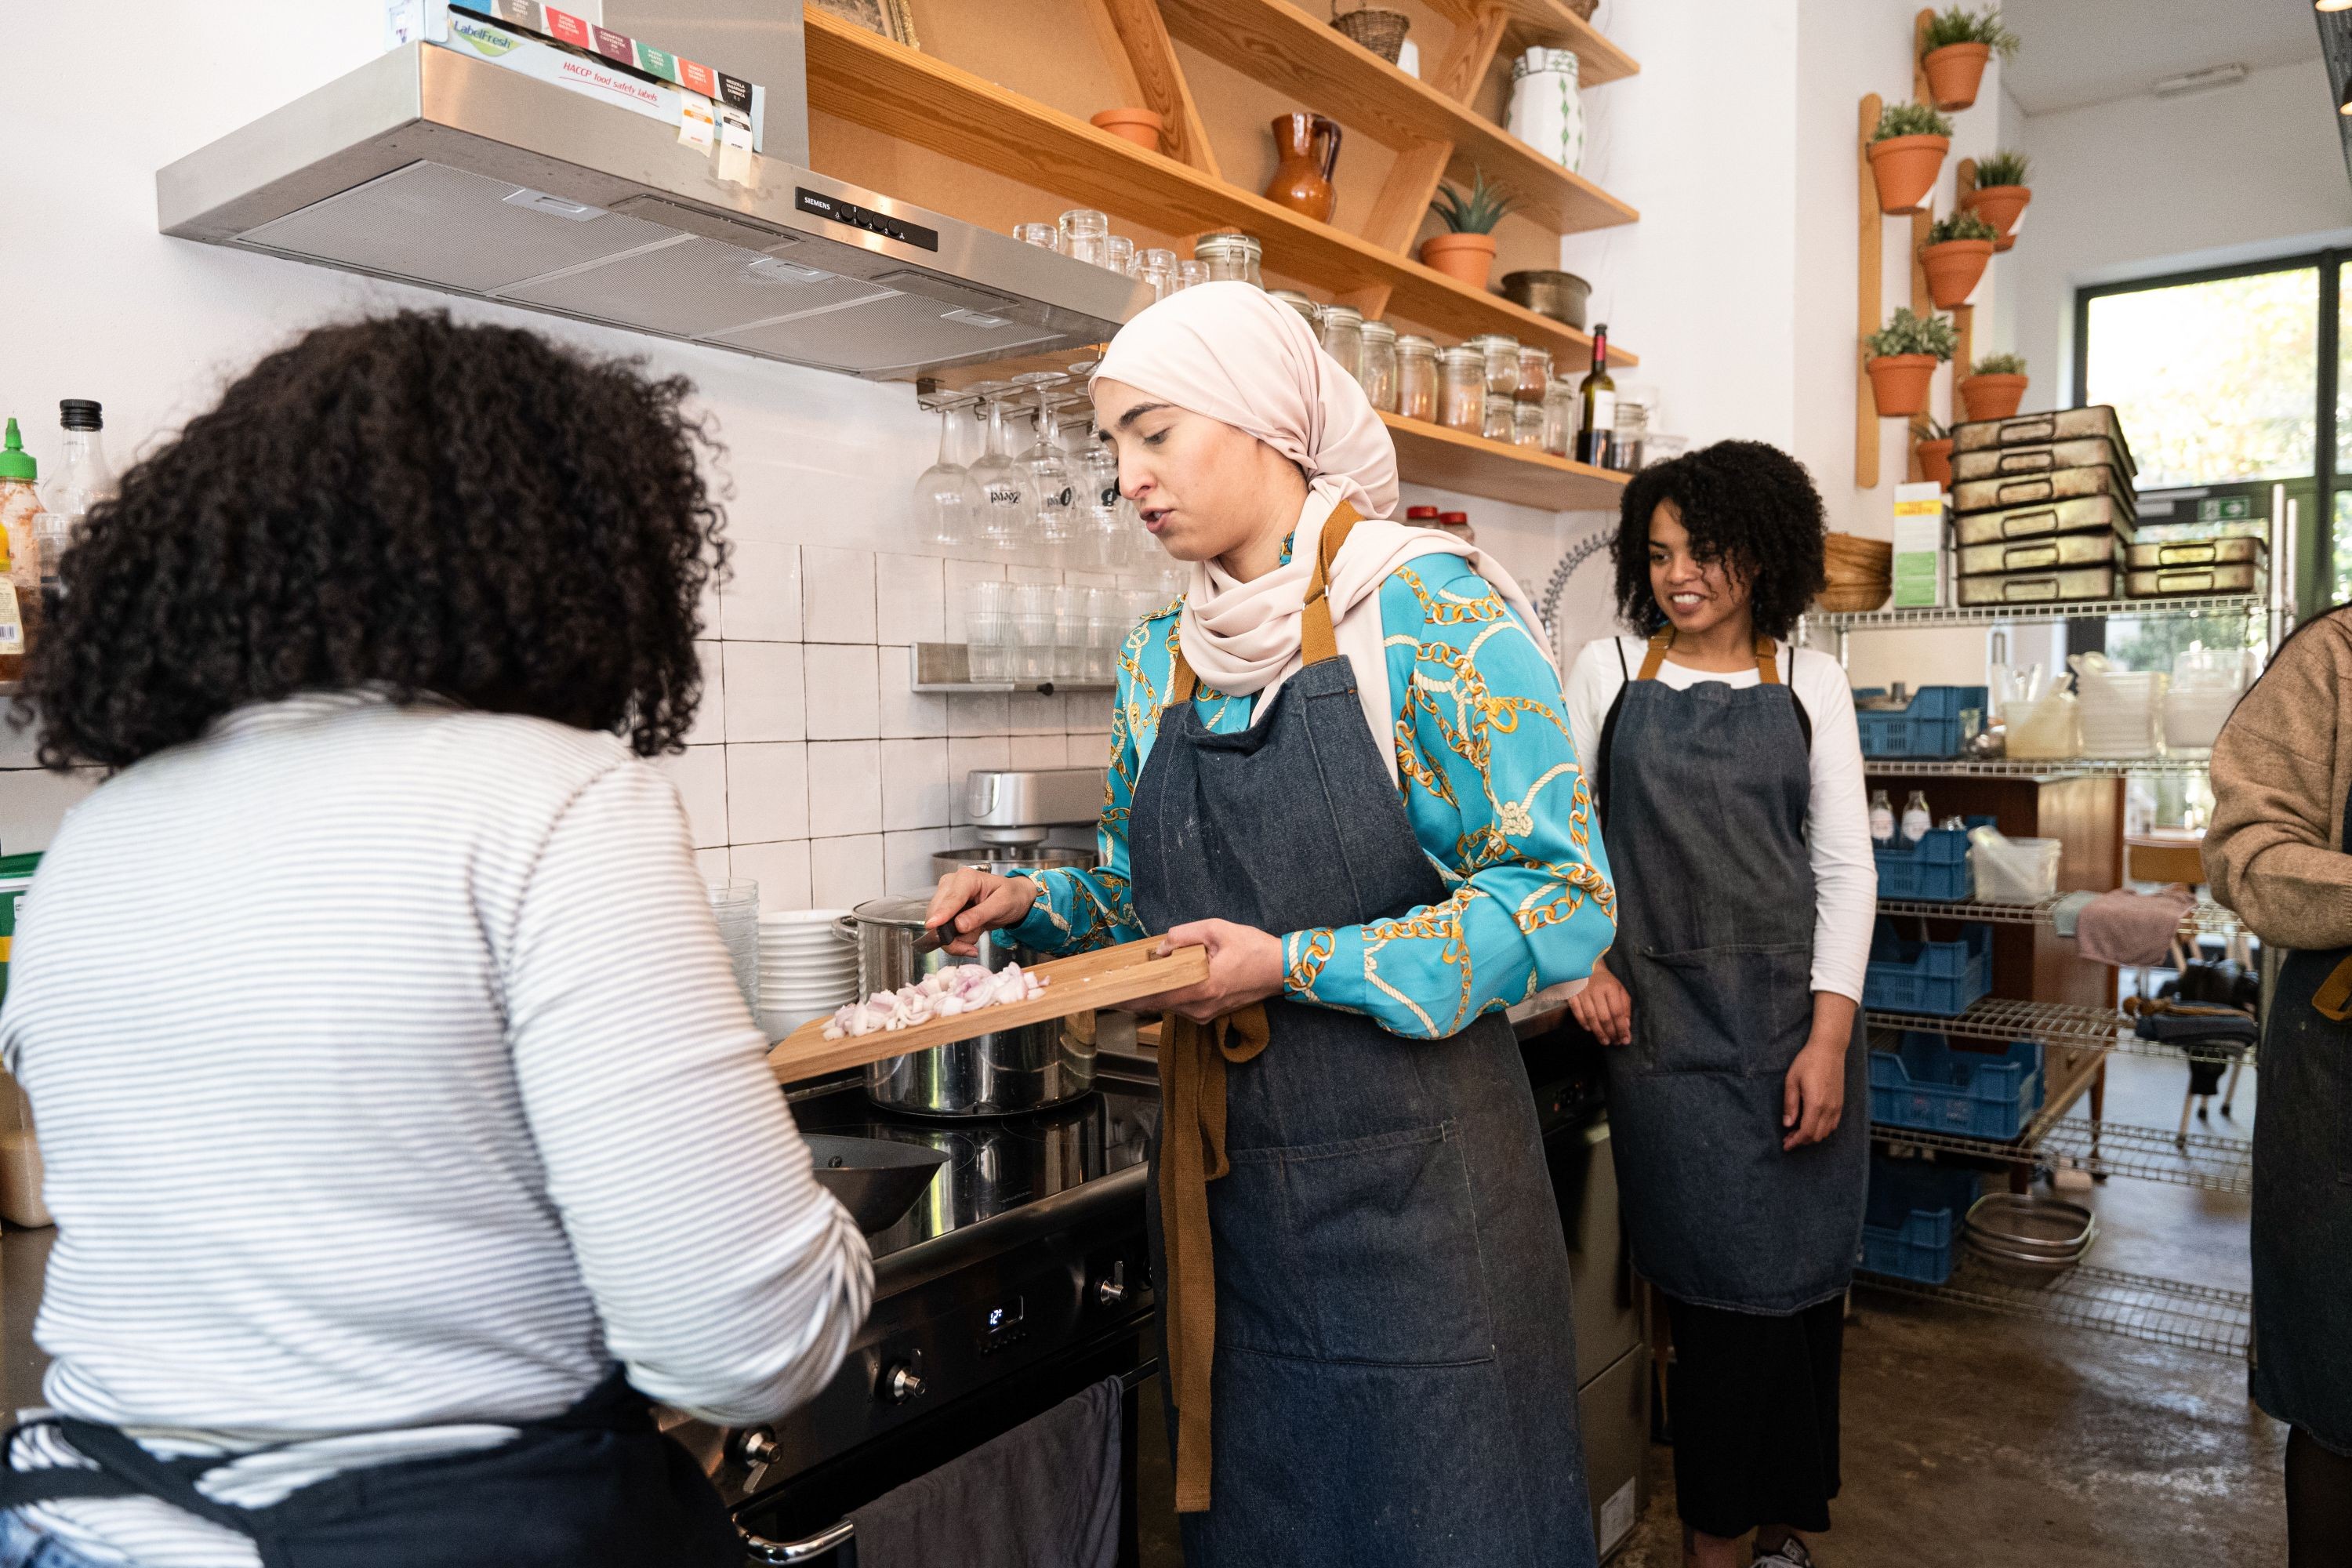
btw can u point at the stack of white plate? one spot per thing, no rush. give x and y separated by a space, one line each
808 967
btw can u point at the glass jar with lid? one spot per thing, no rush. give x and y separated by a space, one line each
1299 302
1501 355
1230 258
1416 377
1462 388
1343 336
1535 375
1527 423
1379 370
1563 412
1497 425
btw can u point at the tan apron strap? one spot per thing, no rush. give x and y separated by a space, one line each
1768 661
1767 657
1317 641
1182 681
1661 640
2334 998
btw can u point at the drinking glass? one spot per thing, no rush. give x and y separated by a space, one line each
1072 635
988 628
1034 628
1100 466
1190 272
1043 236
1053 487
736 904
1119 254
947 501
1157 268
1083 231
1006 498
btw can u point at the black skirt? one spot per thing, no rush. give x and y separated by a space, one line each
1753 1402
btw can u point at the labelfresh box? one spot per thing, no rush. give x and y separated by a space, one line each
1919 562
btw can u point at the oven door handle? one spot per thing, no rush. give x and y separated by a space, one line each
759 1549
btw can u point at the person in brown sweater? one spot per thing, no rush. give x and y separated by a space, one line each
2277 854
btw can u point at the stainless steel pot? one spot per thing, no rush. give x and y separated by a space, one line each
1022 1068
1003 858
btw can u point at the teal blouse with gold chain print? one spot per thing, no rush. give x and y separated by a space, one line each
1491 786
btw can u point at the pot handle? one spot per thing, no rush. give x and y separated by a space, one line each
1332 156
846 927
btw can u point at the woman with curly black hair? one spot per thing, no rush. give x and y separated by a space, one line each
402 1118
1727 773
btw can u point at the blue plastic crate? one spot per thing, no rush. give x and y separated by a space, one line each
1973 1094
1940 978
1930 727
1936 867
1914 1215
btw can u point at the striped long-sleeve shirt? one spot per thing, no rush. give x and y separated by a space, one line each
392 1084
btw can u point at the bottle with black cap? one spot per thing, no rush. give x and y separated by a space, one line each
83 478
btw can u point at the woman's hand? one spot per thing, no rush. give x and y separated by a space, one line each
1604 1007
977 902
1244 966
1813 1097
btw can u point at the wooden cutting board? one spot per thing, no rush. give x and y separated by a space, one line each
1103 978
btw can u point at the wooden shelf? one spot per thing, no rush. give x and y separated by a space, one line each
1550 22
1453 460
1283 47
864 78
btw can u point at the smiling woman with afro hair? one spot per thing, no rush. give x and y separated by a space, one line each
382 1036
1750 506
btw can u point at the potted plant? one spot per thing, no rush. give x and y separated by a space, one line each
1935 455
1959 249
1995 388
2002 194
1958 45
1904 355
1906 153
1466 251
1140 126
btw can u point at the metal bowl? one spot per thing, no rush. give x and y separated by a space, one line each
1559 295
2028 1234
876 1181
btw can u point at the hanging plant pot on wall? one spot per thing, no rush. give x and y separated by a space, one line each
1993 396
2000 205
1936 460
1906 168
1953 72
1953 268
1898 384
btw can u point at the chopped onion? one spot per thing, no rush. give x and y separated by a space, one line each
943 994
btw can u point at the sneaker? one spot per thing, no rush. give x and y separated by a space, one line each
1791 1554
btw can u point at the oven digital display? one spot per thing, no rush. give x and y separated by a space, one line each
1003 1322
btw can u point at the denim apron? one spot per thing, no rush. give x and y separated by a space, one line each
1394 1365
1703 800
595 1486
2303 1197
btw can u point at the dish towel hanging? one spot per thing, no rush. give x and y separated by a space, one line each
2127 927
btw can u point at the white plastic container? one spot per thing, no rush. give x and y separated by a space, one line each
2012 871
2048 728
2206 685
2122 709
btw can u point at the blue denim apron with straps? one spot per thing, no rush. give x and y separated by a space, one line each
2303 1197
1394 1366
1703 806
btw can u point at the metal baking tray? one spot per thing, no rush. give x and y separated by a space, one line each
2170 580
2040 588
2036 430
2086 514
2161 533
2199 553
2084 452
2042 554
2029 489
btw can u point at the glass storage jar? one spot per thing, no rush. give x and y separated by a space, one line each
1527 423
1497 425
1416 377
1379 370
1300 304
1230 258
1535 374
1083 231
1563 412
1343 336
1501 351
1462 388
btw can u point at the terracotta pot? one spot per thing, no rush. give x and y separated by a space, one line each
1308 147
1953 268
1936 460
1466 258
1898 384
1906 168
1993 397
1953 73
2001 206
1139 126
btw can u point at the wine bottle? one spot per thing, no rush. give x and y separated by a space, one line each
1598 423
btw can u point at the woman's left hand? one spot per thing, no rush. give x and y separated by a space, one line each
1812 1098
1244 966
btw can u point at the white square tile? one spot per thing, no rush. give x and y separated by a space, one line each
1091 749
1032 573
844 787
767 791
699 774
990 751
782 869
977 714
1031 713
913 784
1085 711
712 864
909 599
837 595
709 713
763 691
761 602
22 749
957 598
1037 751
907 868
844 872
709 611
33 803
908 714
845 698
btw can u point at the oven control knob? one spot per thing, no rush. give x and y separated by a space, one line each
1111 1289
901 1383
757 1447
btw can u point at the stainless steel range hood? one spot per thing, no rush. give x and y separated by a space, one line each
436 168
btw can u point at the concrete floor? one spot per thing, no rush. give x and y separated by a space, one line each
1972 1439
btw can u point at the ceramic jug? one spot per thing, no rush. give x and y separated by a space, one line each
1309 148
1547 111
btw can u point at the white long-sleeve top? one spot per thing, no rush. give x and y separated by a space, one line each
1837 814
393 1082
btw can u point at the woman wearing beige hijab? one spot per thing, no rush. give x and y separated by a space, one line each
1341 764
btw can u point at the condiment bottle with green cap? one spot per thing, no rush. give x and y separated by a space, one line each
20 502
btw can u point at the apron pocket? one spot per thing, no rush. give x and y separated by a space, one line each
1744 1007
1361 1250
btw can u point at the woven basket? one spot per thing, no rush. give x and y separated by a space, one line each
1854 598
1383 32
1849 556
